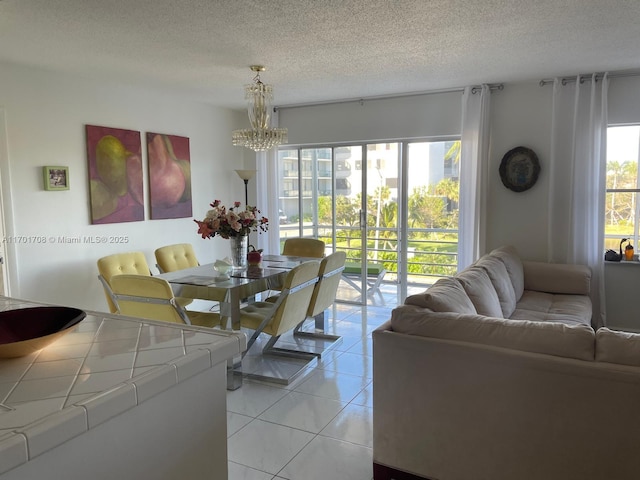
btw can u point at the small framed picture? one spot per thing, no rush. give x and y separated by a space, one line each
56 178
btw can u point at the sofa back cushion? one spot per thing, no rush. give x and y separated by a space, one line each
481 292
513 264
550 338
501 281
446 295
557 278
614 346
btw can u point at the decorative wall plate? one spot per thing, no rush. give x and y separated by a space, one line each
519 169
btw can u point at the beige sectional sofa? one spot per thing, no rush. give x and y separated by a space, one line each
497 374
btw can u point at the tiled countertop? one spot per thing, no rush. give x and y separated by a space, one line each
104 366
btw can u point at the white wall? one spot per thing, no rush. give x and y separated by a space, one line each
520 116
45 116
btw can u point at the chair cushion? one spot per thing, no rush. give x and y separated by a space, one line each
324 292
176 257
304 247
446 295
481 292
356 268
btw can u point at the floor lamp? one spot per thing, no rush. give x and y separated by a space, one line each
246 175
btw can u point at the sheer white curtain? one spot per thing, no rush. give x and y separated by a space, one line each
577 173
268 193
474 166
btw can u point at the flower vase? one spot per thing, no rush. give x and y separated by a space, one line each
239 246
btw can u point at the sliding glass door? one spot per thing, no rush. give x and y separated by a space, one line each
392 207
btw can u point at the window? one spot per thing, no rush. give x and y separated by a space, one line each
395 203
622 208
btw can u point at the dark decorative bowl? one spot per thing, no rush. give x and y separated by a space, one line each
26 330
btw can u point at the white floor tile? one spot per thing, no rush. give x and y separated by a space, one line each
266 446
351 330
365 397
352 364
328 384
326 458
253 398
370 317
320 426
353 424
240 472
303 411
363 347
235 422
329 357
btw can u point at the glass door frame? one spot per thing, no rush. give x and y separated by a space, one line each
402 200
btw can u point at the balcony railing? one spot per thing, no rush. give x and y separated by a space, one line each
431 254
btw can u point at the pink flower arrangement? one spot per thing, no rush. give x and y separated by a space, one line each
231 222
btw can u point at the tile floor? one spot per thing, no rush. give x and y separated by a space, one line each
320 426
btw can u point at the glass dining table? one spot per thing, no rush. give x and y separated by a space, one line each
205 283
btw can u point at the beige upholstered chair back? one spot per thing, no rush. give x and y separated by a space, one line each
294 308
303 247
151 298
325 290
176 257
118 264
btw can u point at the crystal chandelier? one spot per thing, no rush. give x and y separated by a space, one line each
260 136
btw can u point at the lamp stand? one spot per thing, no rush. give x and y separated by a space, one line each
246 175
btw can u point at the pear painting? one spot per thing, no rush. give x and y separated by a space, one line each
115 175
169 176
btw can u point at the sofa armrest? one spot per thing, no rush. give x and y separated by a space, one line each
557 278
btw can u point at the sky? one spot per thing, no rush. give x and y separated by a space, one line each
623 143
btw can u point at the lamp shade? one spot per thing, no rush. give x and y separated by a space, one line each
246 174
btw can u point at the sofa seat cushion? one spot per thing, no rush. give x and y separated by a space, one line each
548 307
614 346
479 288
446 295
551 338
501 282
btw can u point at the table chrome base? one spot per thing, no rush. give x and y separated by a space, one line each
234 379
276 369
313 343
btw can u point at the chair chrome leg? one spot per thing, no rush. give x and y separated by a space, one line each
319 331
269 349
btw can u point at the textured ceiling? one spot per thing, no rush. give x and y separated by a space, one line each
320 50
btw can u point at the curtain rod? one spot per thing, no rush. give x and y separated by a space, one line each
474 90
586 77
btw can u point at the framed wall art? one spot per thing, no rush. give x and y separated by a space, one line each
115 175
519 169
169 176
56 178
